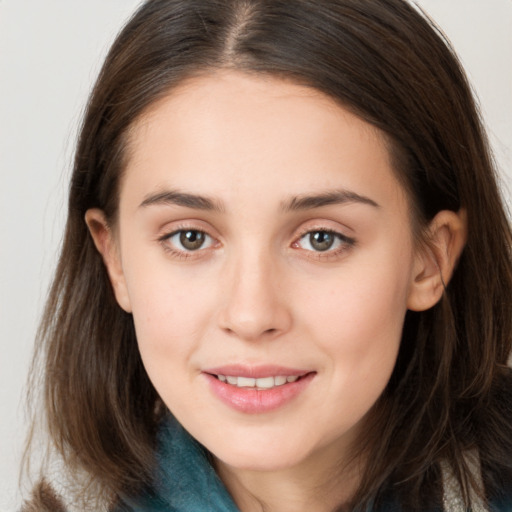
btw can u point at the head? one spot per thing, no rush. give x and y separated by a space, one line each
396 80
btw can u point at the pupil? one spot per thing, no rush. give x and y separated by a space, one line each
321 240
191 240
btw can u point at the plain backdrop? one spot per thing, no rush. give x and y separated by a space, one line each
50 53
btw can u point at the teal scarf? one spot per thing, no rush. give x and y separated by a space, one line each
186 481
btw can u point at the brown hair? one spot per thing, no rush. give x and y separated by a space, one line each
451 389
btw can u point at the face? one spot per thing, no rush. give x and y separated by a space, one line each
264 248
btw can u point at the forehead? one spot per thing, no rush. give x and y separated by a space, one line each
254 101
240 130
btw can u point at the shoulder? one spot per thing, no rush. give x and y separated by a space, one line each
502 502
44 499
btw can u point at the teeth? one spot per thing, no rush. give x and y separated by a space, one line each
263 383
244 382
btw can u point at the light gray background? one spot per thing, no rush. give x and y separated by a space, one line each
50 52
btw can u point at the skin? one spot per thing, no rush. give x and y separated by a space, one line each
258 291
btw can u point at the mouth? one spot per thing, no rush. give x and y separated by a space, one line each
262 383
255 390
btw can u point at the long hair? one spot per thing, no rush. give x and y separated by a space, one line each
450 391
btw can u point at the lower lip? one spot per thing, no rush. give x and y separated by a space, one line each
257 401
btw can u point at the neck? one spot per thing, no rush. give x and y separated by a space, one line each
305 487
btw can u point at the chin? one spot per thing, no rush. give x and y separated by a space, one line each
263 456
260 463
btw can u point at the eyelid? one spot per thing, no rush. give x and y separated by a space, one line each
172 234
337 234
345 242
166 235
324 225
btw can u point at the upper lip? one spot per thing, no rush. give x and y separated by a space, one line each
256 371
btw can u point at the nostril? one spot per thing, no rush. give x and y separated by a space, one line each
247 318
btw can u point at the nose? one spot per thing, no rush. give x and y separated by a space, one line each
254 306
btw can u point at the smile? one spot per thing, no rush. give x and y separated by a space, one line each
261 383
257 390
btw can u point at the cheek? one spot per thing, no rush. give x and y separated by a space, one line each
360 331
168 333
358 320
170 314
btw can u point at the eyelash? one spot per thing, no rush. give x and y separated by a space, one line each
184 253
343 242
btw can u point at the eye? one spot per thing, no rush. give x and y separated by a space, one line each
188 240
323 240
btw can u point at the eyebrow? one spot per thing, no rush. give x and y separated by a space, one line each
175 197
309 202
296 203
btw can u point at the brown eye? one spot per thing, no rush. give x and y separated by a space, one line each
321 240
185 241
324 240
191 240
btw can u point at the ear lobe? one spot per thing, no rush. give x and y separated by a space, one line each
106 245
437 259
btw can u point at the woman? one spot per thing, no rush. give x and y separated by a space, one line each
285 282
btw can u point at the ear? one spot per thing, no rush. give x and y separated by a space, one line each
105 243
437 258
